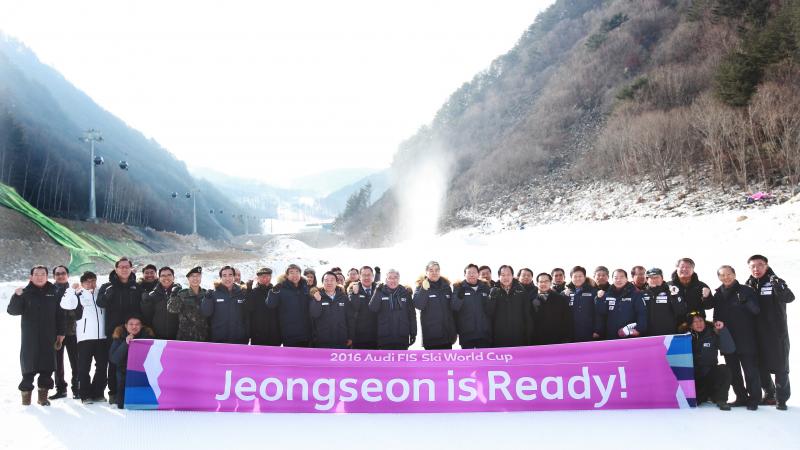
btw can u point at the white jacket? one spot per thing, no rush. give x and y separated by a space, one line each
92 324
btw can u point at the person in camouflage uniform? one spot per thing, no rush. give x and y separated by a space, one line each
192 325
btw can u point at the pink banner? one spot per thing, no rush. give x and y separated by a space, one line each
654 372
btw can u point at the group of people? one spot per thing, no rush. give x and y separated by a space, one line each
358 311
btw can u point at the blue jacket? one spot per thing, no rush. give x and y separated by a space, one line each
620 307
292 304
471 307
229 314
331 320
436 317
585 322
397 319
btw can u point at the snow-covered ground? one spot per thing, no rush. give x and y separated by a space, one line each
711 240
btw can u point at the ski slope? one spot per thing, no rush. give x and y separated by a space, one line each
711 240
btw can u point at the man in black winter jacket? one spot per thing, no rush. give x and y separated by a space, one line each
471 308
149 279
227 309
665 308
510 309
736 306
43 326
154 305
772 329
712 380
695 293
265 328
433 298
331 317
290 297
552 316
366 322
121 298
397 318
70 347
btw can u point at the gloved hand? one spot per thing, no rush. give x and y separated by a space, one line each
777 283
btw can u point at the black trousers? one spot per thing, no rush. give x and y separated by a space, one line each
97 350
298 344
45 381
120 377
393 347
714 385
780 388
112 372
475 343
439 347
71 346
738 363
365 345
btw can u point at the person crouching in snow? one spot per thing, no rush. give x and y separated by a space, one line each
123 335
711 380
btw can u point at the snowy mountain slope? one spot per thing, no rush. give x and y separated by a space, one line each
711 240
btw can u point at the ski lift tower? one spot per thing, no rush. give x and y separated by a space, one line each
91 136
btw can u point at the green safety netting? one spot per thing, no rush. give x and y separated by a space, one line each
82 247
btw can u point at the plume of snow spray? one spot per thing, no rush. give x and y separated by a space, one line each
420 191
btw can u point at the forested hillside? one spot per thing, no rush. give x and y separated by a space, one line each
619 90
42 117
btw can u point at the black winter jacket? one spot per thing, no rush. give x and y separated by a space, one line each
737 307
292 304
120 300
665 309
552 318
265 327
707 345
331 320
397 318
436 316
471 307
621 307
582 300
692 294
366 321
42 321
771 324
228 310
511 313
154 310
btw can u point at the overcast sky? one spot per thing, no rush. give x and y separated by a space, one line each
303 85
